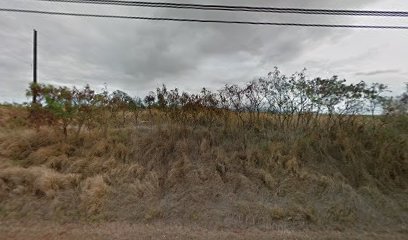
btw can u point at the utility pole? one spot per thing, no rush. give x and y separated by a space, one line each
35 66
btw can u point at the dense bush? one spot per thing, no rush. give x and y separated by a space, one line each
276 101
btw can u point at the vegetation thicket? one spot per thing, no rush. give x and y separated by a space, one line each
278 151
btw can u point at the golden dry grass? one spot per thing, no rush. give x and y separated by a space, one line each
207 177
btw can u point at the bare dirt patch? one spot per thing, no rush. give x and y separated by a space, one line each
122 231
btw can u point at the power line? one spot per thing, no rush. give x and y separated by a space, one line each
241 8
206 20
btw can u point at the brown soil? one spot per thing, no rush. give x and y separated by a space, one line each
48 231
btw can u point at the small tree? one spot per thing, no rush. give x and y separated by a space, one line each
83 100
55 105
253 93
135 105
235 96
373 96
120 101
149 101
396 105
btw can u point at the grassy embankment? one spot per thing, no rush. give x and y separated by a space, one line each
157 170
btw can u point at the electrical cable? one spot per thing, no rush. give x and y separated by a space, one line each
206 20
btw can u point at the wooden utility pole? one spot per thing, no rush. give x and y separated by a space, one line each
35 66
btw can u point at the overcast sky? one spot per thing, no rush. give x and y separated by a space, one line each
138 56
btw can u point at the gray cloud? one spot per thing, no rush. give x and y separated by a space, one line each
137 56
377 72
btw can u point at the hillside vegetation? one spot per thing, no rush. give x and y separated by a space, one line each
279 152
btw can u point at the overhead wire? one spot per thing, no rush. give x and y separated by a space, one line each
341 12
287 24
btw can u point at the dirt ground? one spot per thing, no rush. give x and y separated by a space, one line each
122 231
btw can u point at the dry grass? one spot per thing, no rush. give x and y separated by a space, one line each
39 181
207 177
94 192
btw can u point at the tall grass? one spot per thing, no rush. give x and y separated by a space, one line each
204 159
